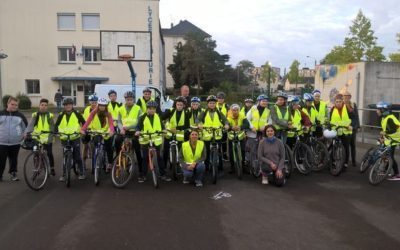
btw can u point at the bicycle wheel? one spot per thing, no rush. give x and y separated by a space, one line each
68 166
320 155
122 170
303 158
380 170
173 162
214 166
98 166
367 160
238 160
288 161
338 158
35 171
154 171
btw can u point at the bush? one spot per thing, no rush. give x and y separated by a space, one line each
5 100
24 101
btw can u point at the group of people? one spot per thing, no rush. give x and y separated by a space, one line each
270 124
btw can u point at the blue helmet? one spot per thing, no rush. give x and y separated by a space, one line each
151 104
308 97
93 98
293 99
262 97
282 94
195 99
383 105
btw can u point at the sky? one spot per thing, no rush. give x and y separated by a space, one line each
281 31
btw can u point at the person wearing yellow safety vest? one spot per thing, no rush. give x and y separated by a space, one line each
340 117
86 139
237 122
128 118
298 119
248 103
280 116
191 157
322 112
113 106
70 121
355 123
142 101
194 111
212 118
150 122
176 122
223 108
310 110
100 120
42 121
391 129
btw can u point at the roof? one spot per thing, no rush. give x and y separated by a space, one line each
182 28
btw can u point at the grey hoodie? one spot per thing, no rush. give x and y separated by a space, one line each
12 127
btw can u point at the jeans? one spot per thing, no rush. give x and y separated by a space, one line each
160 161
352 141
345 141
49 150
197 173
10 152
395 167
270 174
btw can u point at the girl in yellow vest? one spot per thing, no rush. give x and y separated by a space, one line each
100 120
191 157
298 120
86 139
340 117
391 128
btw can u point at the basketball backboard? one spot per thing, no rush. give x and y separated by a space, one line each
114 44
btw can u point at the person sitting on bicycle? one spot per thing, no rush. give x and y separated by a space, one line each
113 105
340 117
128 117
258 116
191 158
212 118
42 121
176 122
271 154
150 122
322 112
86 112
194 111
310 110
101 120
69 122
280 116
223 108
391 128
298 120
142 101
238 123
248 103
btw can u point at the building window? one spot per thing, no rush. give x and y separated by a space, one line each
66 21
90 21
66 55
91 55
32 86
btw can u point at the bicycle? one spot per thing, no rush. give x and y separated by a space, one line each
173 156
36 166
68 157
371 156
288 156
383 166
237 153
336 150
99 160
124 164
251 156
320 152
302 153
215 152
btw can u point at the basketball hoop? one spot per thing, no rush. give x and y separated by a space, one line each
125 57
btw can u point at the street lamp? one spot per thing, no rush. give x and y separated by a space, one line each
2 56
315 60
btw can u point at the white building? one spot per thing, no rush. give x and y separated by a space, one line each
56 45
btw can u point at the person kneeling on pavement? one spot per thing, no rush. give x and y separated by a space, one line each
271 154
191 158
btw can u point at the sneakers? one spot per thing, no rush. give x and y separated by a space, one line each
198 183
165 178
264 180
394 178
185 180
62 178
52 171
82 177
141 179
14 176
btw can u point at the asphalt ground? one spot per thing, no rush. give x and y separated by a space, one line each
318 211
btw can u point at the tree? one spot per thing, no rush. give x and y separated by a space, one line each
293 74
359 45
244 69
395 57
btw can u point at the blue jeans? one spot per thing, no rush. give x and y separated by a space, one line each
197 173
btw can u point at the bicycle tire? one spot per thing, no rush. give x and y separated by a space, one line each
320 154
302 156
98 166
214 166
338 158
36 169
378 174
288 161
238 161
154 172
68 166
367 159
121 175
174 163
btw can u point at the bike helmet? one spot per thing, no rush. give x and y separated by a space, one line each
93 98
249 100
383 105
151 104
235 106
293 99
308 97
129 94
282 94
146 90
180 99
262 97
221 95
68 101
211 98
316 91
112 92
195 99
102 101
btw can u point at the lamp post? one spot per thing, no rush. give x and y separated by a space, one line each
2 56
315 61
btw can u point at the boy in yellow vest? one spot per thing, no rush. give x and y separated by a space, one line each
322 112
391 128
86 139
280 116
191 157
42 121
298 120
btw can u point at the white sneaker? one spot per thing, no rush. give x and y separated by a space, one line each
264 180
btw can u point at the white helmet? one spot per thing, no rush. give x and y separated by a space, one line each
102 101
330 133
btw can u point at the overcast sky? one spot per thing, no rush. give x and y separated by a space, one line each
283 30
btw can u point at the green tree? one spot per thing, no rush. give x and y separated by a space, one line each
359 45
395 57
293 75
244 70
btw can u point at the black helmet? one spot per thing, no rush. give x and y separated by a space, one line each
211 98
151 104
112 92
129 94
221 95
68 101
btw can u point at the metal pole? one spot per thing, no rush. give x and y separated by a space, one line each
2 56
